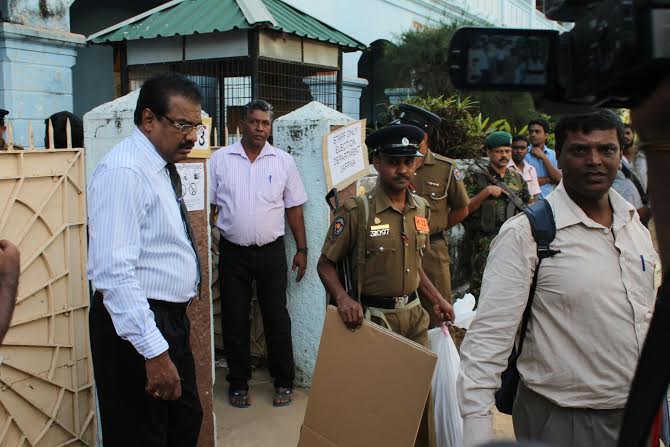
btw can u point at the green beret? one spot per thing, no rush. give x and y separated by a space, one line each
497 139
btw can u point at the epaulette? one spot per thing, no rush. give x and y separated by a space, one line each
350 204
451 161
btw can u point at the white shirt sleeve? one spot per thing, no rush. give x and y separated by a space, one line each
116 208
294 193
489 340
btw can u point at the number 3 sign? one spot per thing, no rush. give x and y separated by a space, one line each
204 134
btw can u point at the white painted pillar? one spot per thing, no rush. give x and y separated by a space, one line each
300 133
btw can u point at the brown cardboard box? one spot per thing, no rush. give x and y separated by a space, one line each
369 389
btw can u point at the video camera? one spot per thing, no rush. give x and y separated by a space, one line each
615 55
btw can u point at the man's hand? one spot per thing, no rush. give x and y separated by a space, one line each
163 380
300 264
10 261
350 311
443 310
495 191
10 268
538 152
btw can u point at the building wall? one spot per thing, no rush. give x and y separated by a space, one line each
371 20
93 75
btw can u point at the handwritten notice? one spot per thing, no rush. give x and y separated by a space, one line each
345 155
192 185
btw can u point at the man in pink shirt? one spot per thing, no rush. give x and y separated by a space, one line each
527 171
253 185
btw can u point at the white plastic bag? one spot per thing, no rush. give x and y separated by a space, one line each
448 422
463 310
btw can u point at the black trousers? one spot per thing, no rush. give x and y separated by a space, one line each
238 268
130 417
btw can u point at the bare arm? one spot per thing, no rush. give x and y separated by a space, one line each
213 214
555 175
296 221
10 261
350 310
442 309
456 216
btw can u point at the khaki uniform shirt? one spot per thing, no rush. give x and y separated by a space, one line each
592 307
392 260
440 182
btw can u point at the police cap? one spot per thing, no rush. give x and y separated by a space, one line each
416 116
396 141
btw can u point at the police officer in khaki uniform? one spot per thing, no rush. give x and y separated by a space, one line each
387 268
440 182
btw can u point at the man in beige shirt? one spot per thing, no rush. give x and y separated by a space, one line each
591 309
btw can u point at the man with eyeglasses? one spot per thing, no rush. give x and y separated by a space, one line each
253 186
145 269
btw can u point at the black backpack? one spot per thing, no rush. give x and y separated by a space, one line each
543 228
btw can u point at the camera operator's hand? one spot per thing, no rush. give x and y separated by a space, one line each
650 121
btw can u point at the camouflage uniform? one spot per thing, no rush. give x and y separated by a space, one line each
483 225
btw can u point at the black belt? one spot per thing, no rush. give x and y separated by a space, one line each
392 302
437 236
169 304
277 241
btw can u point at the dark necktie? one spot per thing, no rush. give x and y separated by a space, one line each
176 185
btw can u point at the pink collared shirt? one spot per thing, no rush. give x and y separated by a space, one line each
529 174
251 197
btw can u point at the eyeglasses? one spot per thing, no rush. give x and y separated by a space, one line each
184 129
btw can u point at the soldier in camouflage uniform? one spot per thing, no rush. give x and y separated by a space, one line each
490 205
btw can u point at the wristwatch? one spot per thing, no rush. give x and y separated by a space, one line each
302 250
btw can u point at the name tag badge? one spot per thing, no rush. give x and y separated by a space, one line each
380 230
421 224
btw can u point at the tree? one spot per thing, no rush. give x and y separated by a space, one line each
420 59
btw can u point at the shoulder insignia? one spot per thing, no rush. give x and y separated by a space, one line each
458 175
338 226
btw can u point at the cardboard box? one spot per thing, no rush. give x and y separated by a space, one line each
369 389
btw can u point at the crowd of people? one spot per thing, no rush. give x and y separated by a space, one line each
591 300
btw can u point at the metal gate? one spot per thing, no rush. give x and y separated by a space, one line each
46 376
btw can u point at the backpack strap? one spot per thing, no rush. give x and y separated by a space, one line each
363 214
543 228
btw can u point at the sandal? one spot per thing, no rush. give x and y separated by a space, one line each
239 398
283 397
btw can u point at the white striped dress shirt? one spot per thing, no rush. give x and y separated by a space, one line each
251 197
138 245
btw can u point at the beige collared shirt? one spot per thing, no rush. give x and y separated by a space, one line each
590 314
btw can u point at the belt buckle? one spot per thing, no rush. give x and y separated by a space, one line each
401 301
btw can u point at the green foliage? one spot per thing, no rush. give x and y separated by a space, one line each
420 60
463 128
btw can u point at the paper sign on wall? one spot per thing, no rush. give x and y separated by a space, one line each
193 185
204 134
345 155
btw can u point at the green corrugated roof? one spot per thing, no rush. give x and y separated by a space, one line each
206 16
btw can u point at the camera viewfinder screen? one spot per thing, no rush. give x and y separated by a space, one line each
504 59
